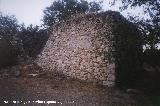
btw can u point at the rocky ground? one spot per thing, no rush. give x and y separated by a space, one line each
32 89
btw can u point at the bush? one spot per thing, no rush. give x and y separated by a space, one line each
8 53
33 39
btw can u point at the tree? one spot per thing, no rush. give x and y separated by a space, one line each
9 28
9 42
150 32
63 9
26 40
150 28
33 39
94 6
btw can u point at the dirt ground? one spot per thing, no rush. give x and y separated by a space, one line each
64 92
46 89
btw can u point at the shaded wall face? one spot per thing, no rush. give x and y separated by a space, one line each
77 49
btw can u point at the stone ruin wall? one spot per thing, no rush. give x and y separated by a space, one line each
76 48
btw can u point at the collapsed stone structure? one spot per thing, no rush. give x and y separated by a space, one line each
80 48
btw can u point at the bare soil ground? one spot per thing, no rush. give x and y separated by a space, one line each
63 92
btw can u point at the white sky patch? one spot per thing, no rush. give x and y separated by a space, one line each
27 11
134 11
31 11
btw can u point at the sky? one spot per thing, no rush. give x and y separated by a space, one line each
27 11
31 11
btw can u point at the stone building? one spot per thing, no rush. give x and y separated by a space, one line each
80 47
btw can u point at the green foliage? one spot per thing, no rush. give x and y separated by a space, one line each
33 39
94 7
26 40
8 40
9 28
8 53
150 29
63 9
150 6
150 32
